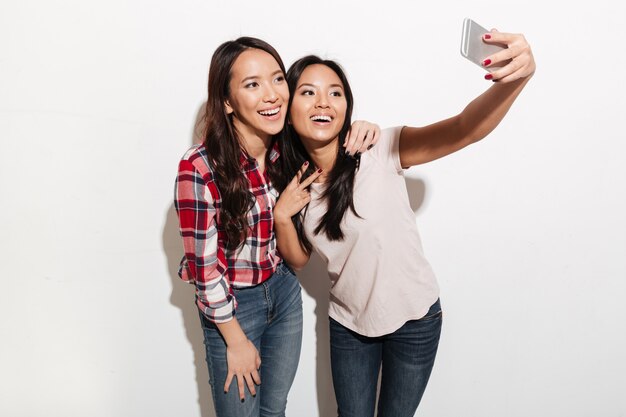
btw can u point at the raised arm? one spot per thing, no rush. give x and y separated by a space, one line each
291 201
419 145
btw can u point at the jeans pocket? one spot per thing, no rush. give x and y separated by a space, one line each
434 312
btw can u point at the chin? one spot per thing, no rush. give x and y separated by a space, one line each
274 129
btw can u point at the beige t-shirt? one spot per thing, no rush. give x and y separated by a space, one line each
379 275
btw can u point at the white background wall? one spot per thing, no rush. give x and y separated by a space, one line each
526 230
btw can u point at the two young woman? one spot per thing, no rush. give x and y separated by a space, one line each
384 301
249 300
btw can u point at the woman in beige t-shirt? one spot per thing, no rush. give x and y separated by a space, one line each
384 300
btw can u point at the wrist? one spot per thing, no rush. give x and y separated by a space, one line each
238 340
281 219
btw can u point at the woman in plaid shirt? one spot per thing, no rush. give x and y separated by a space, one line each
249 299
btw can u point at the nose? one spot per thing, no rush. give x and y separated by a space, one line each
322 102
270 95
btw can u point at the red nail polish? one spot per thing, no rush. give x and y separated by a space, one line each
486 62
487 36
306 163
488 76
319 171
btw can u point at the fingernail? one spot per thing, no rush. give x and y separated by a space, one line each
488 76
487 36
306 163
242 400
348 153
370 147
319 171
486 62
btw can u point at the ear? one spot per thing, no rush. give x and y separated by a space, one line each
228 107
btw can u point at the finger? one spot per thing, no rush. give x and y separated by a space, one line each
375 139
309 180
229 379
520 73
505 71
363 142
302 170
250 384
371 138
242 393
352 137
362 135
503 57
498 37
256 377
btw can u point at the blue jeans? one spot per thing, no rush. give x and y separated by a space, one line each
270 314
406 355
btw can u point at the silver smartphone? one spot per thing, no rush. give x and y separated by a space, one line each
472 45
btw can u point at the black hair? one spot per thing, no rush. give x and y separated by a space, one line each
339 191
223 144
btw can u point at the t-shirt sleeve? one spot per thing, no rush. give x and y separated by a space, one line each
387 150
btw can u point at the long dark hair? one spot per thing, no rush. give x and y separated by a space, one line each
223 144
338 193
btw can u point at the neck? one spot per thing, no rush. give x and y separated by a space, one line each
256 147
254 143
323 156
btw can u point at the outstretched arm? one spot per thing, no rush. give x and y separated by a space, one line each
419 145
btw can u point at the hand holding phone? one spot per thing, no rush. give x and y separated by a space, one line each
472 45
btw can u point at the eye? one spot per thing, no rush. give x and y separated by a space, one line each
307 93
336 93
251 84
279 79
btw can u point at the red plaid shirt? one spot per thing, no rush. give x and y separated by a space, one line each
214 269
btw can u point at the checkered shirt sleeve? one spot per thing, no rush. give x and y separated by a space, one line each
204 263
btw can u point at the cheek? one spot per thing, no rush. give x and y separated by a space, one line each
297 112
284 93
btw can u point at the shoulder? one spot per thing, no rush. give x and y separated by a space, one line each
391 133
196 157
386 150
388 142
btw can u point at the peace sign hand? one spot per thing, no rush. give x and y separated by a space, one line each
296 195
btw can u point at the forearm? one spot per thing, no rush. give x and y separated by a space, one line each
289 244
485 112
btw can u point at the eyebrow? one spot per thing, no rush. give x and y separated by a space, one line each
314 86
254 77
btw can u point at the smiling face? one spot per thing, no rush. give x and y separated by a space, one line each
258 94
318 109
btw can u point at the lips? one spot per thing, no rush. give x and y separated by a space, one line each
321 118
271 114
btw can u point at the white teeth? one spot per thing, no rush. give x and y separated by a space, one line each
321 118
270 112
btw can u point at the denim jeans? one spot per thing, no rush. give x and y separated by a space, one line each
270 314
406 355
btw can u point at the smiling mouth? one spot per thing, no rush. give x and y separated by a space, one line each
321 118
269 112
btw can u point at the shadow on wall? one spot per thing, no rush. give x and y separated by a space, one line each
416 188
314 280
183 293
